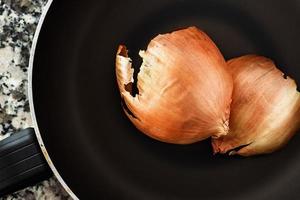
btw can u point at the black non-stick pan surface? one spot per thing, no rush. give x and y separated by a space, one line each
95 148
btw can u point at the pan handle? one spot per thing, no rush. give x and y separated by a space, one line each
22 162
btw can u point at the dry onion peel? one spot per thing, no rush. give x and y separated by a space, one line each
265 111
184 88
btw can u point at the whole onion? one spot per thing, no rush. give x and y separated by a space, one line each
265 111
184 88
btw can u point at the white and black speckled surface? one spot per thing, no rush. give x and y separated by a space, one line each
18 20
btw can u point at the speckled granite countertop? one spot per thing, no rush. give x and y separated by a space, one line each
18 20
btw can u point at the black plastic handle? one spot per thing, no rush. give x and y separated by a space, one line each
21 162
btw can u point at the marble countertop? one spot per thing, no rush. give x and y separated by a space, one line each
18 20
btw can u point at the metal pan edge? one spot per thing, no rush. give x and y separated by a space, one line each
31 103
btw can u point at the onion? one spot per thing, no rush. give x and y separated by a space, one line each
265 111
184 88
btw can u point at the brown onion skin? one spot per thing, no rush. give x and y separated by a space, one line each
184 88
265 110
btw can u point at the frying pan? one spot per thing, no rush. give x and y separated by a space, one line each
91 146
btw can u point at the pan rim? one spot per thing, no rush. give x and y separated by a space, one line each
31 103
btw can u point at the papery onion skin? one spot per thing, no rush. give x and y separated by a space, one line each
184 88
265 109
